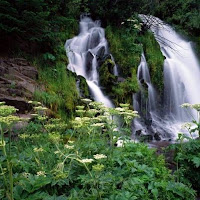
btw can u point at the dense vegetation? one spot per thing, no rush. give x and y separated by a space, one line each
79 160
51 159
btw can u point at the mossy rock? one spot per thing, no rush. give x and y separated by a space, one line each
155 59
123 91
107 79
83 87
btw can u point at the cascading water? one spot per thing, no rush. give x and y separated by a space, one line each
181 79
84 51
145 101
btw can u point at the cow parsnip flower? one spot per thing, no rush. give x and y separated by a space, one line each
38 149
69 146
26 175
98 125
87 101
124 105
40 108
99 156
187 125
86 160
196 107
41 173
80 107
9 120
7 110
186 105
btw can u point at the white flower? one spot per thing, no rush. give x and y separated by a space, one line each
80 107
120 143
98 125
119 109
86 160
41 173
124 105
99 156
25 174
187 125
38 149
77 118
186 105
196 107
86 100
69 147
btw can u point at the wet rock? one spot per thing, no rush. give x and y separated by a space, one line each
148 122
18 102
157 136
89 58
138 132
17 82
120 79
146 138
83 87
100 53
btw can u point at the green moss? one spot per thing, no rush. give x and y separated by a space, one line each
83 86
107 79
124 90
125 48
154 58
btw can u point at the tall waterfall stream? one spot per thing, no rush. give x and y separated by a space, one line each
181 76
181 83
84 51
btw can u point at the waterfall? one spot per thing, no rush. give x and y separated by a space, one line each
181 80
84 51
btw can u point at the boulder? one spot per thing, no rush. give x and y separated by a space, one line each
17 82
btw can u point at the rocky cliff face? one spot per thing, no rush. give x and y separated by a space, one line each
17 82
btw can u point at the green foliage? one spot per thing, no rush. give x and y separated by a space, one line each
61 94
51 161
83 87
184 14
123 90
125 47
154 58
188 160
36 23
187 154
114 12
107 79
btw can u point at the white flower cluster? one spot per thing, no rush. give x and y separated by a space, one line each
69 146
41 173
194 106
25 174
86 160
38 149
99 156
